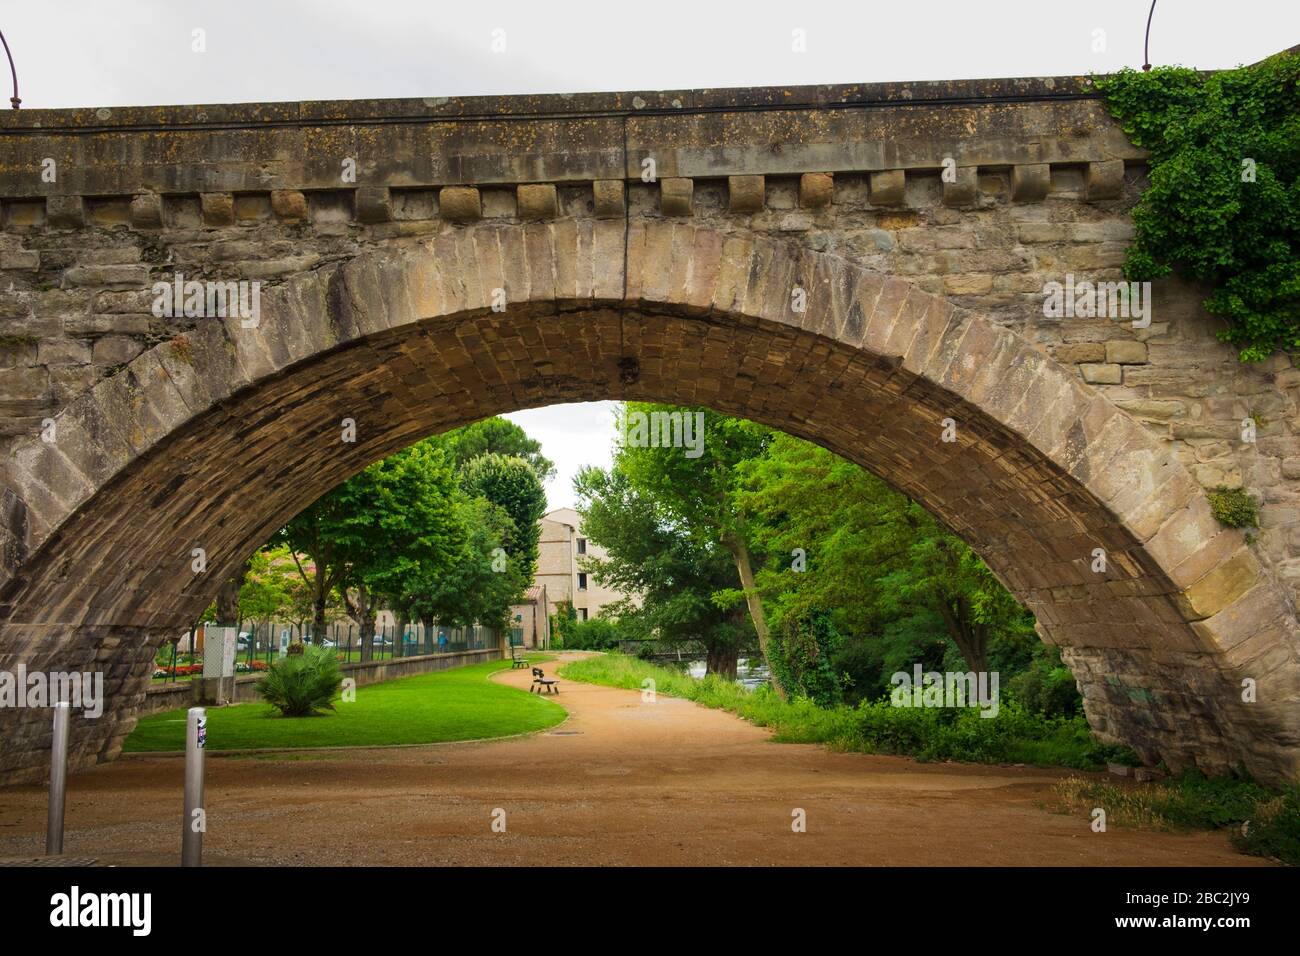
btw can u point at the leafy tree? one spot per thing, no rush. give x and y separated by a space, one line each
696 492
273 587
805 650
897 579
370 534
480 585
496 436
512 485
673 573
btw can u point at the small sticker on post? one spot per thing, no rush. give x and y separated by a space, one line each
203 731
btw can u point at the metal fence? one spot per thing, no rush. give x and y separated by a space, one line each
261 642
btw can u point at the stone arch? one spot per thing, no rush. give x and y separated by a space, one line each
218 436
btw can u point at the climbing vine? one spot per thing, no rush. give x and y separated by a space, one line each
1223 205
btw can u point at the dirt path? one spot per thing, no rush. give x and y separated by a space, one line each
618 782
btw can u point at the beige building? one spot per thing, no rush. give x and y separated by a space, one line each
560 552
530 622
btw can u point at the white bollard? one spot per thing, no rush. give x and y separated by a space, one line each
58 778
192 830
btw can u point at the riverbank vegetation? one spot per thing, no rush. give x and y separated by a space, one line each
1261 822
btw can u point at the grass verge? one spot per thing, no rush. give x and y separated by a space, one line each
1263 822
456 704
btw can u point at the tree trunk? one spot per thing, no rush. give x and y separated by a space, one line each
361 609
740 553
228 596
366 635
318 614
721 659
970 638
400 620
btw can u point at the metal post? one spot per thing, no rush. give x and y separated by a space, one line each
195 738
58 778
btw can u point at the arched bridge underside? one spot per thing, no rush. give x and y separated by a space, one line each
217 436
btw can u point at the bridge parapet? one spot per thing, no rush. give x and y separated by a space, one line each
379 160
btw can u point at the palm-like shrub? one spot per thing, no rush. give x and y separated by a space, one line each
300 685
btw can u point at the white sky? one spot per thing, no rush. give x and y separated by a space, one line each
139 52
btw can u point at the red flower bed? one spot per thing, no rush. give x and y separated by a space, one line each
190 670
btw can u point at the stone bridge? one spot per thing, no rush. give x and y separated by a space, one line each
862 266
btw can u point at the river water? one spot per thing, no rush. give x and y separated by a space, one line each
750 673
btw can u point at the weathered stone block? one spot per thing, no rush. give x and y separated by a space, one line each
1102 374
1126 352
816 190
289 204
608 198
964 190
24 215
746 194
1041 232
218 209
20 259
1220 587
888 187
1030 182
114 276
795 222
23 383
102 324
1081 352
676 196
536 201
116 350
65 212
1104 180
460 204
63 352
968 284
372 204
252 207
146 211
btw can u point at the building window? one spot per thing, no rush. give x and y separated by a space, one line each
582 581
583 612
582 545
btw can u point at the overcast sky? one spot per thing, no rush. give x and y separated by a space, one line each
142 52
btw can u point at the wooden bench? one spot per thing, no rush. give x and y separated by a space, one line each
515 660
540 680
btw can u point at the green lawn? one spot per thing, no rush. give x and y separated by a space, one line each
457 704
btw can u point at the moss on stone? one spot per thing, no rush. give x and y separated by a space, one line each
12 343
180 347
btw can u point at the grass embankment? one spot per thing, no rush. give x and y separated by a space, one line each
456 704
1262 822
1271 820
